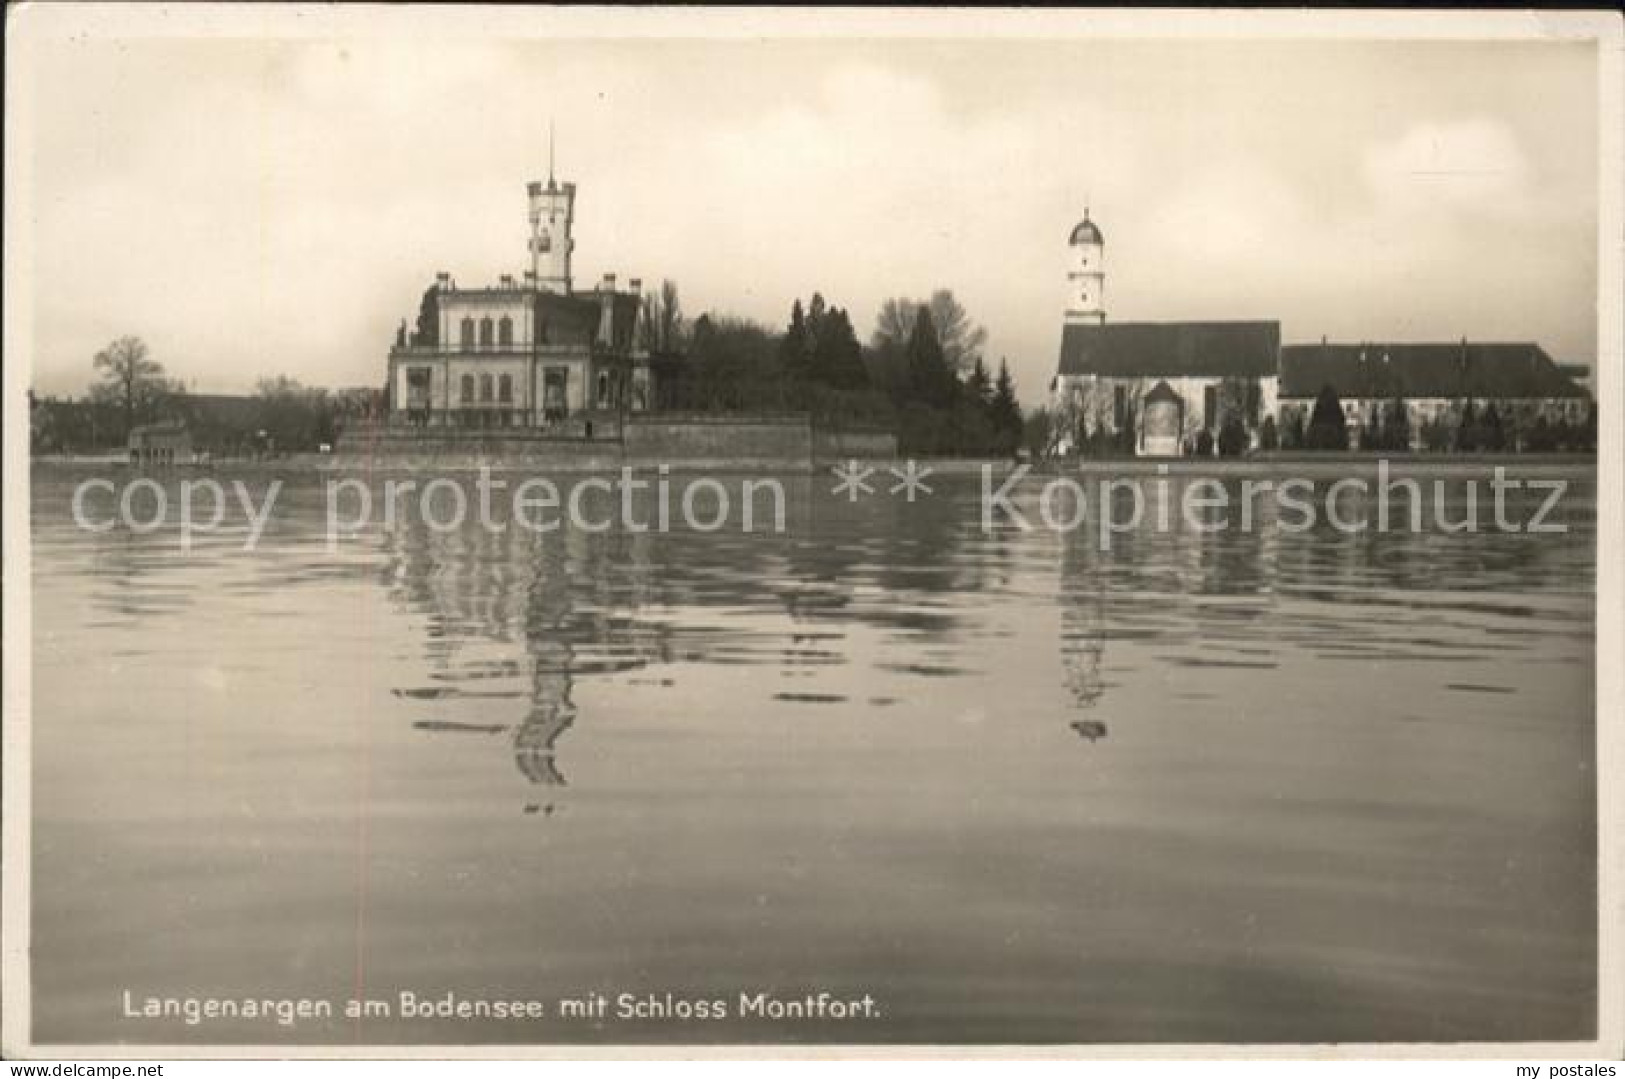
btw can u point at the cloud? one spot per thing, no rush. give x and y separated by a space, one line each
1471 166
260 207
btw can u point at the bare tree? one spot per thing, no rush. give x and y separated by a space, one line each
961 336
131 379
660 321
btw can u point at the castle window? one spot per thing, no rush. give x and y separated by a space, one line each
505 331
468 388
486 338
505 388
485 387
468 333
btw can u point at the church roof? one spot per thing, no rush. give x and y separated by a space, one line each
1086 232
1445 369
1171 349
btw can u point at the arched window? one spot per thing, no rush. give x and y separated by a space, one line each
505 387
505 331
485 387
468 333
468 388
486 340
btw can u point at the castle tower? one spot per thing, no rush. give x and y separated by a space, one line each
1086 275
552 216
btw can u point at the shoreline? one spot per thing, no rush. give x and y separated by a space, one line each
1308 465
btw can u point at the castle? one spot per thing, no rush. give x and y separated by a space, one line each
1155 387
533 353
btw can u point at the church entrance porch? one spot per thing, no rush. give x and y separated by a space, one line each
1163 418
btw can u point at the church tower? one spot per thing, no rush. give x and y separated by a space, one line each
552 216
1086 275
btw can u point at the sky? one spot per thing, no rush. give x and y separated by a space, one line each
253 206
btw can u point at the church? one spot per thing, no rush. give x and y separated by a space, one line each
524 353
1152 387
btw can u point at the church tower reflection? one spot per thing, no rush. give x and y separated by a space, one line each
1083 635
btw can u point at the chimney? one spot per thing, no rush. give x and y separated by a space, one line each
530 278
606 318
442 280
609 283
636 285
507 280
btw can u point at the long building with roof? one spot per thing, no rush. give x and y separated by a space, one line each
1433 380
1155 387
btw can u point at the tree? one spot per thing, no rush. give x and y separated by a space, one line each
1241 397
1269 438
732 364
1038 432
795 348
1326 427
1371 431
1541 436
1004 411
1292 436
960 336
294 416
837 358
1493 439
1396 426
978 386
131 380
931 380
660 319
1232 437
1468 431
427 334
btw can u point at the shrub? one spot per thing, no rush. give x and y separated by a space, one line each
1292 436
1437 434
1541 438
1326 429
1396 427
1493 439
1268 437
1232 438
1468 431
1204 443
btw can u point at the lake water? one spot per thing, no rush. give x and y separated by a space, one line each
1236 787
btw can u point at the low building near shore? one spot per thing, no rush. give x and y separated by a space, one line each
159 444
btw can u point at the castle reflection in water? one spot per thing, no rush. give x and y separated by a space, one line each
506 606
